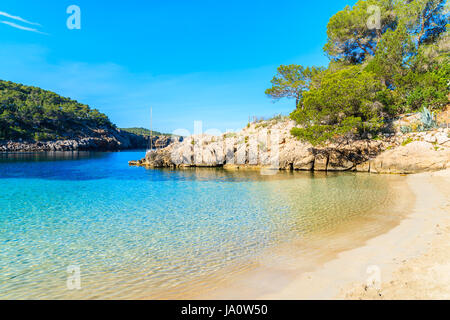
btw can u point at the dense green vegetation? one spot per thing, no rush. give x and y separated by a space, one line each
291 81
32 113
144 132
380 66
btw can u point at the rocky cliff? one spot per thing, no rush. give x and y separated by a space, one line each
97 140
270 145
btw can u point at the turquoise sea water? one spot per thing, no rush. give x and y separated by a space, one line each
138 233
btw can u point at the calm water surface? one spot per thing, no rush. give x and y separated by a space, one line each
138 233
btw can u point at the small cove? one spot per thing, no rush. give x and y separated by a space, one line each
138 233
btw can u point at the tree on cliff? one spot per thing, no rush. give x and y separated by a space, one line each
332 110
291 81
425 20
387 57
353 33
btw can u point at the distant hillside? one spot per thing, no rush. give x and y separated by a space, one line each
33 119
144 132
32 113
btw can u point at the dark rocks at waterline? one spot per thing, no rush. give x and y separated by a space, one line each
103 140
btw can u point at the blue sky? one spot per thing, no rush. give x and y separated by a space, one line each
192 60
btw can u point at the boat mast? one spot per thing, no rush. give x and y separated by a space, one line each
151 128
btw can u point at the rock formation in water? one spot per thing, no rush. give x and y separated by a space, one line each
270 145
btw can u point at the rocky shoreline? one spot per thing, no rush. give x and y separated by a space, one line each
100 140
269 145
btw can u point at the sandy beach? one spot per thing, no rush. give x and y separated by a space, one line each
420 265
409 260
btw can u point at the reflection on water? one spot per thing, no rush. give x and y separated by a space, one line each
140 233
48 156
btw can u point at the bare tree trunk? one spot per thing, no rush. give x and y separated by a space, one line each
297 101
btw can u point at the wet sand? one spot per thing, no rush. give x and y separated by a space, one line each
402 255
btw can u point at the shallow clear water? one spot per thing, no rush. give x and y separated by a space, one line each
138 233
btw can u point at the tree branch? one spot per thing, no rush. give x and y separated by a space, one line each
361 47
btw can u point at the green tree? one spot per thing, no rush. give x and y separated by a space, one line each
393 57
425 20
403 65
417 76
291 81
351 37
428 89
346 102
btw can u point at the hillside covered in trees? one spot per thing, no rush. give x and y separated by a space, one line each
32 113
144 132
387 57
33 119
